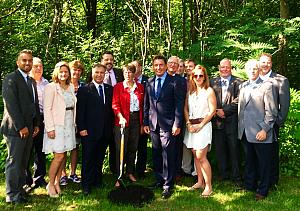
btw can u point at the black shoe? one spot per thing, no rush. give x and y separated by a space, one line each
86 191
20 200
155 185
166 194
141 175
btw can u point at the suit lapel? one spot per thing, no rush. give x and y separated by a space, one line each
229 89
165 84
152 87
21 78
94 91
218 89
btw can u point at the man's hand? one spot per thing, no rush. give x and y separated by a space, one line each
35 131
24 132
175 131
83 133
220 113
147 129
261 135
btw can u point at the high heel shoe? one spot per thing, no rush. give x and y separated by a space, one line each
52 195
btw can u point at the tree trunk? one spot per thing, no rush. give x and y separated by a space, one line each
184 44
91 15
55 25
282 40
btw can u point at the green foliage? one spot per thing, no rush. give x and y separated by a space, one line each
289 139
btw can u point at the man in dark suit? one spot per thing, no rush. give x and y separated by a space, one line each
173 65
141 158
94 119
163 116
112 77
20 123
281 89
257 114
225 122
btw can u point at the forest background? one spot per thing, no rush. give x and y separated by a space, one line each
203 30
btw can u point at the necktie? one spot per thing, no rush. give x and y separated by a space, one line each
29 84
158 88
109 79
223 83
101 93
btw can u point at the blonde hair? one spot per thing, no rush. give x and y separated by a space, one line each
57 69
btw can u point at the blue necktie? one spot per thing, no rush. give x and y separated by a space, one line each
101 93
158 88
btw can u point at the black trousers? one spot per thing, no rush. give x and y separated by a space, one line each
38 157
274 177
227 152
131 139
178 153
93 153
258 167
141 159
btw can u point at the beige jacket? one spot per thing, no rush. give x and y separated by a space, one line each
55 107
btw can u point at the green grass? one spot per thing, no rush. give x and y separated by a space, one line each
225 197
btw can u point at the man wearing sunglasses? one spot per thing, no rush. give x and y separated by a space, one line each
225 122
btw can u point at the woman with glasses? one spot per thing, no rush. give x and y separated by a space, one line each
200 106
127 105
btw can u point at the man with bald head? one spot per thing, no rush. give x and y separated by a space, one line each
225 122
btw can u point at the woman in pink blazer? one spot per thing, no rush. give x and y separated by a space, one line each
59 115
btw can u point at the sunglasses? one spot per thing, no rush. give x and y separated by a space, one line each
198 76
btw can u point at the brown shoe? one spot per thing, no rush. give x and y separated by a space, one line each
259 197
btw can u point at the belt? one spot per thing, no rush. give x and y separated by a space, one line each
69 108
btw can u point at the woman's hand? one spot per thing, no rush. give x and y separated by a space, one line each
51 134
122 121
83 133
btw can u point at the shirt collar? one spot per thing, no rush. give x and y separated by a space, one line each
226 79
96 84
162 77
22 73
126 86
266 76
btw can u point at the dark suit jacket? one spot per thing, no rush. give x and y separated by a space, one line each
230 106
19 109
281 89
118 74
144 80
92 114
167 110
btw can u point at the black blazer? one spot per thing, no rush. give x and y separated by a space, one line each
19 108
92 115
167 110
118 74
230 106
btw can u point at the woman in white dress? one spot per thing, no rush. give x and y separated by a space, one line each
200 107
59 113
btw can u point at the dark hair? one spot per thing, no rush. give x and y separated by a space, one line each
26 51
159 57
129 67
107 52
190 60
97 65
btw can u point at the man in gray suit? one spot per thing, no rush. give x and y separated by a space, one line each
20 123
281 88
256 116
225 122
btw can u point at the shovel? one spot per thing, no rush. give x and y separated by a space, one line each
120 180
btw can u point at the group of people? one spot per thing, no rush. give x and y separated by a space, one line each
180 109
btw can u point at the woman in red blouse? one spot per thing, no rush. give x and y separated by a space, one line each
127 105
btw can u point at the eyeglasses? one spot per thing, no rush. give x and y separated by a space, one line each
198 76
174 63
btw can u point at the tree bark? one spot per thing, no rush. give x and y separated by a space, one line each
91 16
282 40
184 43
